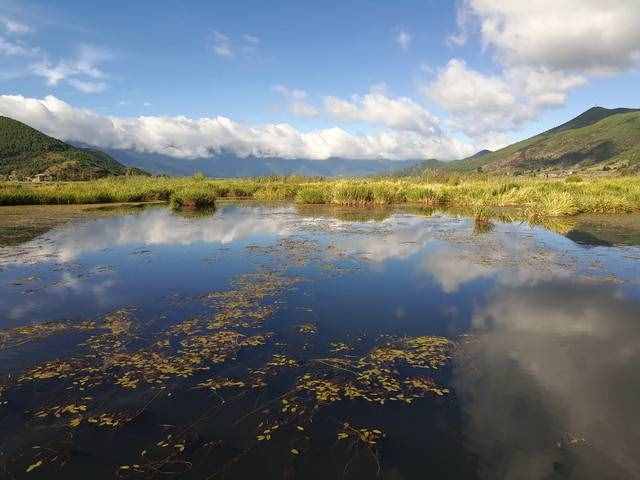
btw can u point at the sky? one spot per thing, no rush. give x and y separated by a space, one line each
401 79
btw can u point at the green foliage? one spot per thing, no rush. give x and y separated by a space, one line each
25 152
17 138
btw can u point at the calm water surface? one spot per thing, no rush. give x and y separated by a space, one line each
262 341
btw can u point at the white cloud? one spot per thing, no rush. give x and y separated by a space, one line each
461 89
592 36
482 104
376 107
462 21
403 39
81 72
544 49
14 27
297 101
222 45
87 86
189 138
16 49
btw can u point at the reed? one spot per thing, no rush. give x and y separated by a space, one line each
193 198
536 197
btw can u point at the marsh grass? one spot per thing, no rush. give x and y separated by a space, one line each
537 198
193 198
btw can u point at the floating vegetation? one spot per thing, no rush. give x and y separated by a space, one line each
220 383
241 307
21 335
339 347
377 377
57 369
369 436
282 361
307 329
125 370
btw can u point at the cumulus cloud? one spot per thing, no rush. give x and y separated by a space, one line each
82 72
482 104
377 107
191 138
403 39
544 49
297 101
573 35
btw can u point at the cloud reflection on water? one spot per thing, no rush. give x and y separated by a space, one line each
549 383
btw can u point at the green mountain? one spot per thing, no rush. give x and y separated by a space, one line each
26 152
598 139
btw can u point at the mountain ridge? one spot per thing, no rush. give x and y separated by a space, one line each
227 165
597 139
27 153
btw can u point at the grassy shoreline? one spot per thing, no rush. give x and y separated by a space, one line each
534 196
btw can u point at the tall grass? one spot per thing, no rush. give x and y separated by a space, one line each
537 197
193 198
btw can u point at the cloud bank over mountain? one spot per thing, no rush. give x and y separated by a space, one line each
184 137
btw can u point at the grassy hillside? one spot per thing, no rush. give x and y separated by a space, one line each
599 139
25 152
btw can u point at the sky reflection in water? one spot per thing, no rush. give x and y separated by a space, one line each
545 377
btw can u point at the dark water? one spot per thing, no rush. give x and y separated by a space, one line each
274 342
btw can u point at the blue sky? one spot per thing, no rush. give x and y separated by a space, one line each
400 79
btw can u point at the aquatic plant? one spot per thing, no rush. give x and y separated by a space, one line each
118 357
548 197
193 198
314 194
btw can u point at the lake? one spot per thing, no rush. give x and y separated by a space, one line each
275 341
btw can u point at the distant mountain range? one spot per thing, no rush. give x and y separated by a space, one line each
227 164
598 139
25 153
